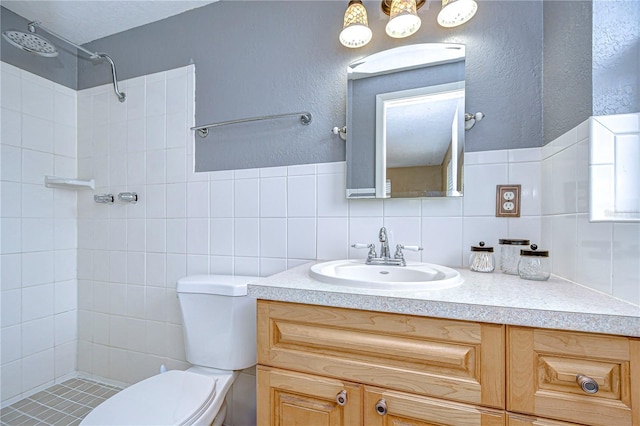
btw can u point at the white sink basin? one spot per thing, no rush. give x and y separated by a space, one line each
414 276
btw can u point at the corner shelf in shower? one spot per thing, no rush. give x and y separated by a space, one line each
68 183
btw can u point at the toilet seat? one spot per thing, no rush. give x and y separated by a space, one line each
171 398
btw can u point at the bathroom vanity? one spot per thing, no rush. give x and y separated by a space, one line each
496 350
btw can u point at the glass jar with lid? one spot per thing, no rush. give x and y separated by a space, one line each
534 264
481 259
510 254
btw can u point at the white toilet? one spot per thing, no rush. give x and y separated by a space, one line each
220 338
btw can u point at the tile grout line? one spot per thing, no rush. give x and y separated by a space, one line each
82 396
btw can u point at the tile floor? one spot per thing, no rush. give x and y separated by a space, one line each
64 404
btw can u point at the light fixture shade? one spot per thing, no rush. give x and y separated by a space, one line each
456 12
403 19
356 31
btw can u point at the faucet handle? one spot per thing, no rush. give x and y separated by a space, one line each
399 255
361 246
371 247
410 248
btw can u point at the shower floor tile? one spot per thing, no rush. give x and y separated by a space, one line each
64 404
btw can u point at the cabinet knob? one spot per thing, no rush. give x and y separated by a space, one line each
341 398
381 407
587 384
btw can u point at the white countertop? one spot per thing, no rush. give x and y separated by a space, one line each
493 298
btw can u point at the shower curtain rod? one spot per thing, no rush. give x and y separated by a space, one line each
92 55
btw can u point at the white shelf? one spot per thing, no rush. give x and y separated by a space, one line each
68 183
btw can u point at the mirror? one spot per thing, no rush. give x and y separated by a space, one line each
405 122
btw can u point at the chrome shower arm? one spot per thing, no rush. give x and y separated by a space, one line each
32 27
93 55
121 96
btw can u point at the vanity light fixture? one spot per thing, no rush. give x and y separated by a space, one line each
403 17
355 32
456 12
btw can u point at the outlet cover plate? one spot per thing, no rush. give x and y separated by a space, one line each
508 200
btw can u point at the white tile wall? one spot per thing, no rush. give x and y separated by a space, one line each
603 255
39 234
130 255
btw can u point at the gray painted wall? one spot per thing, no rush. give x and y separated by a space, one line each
591 61
616 57
567 66
256 58
63 69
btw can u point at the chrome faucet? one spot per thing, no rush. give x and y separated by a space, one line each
384 243
385 257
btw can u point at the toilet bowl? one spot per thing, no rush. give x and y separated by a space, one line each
220 335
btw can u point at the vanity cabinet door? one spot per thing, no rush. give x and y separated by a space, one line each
590 379
288 398
455 360
519 420
390 408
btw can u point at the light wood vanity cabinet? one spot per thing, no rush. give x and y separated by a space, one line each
520 420
419 366
383 407
321 365
546 368
290 398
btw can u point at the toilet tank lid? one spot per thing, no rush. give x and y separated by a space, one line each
224 285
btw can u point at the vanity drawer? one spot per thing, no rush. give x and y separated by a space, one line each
544 366
450 359
383 407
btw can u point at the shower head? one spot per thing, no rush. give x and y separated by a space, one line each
38 45
31 42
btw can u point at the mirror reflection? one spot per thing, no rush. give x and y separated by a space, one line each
405 123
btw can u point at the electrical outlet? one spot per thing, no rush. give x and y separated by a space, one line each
508 200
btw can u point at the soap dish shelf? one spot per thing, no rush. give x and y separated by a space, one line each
68 183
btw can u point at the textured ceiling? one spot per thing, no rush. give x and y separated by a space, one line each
84 21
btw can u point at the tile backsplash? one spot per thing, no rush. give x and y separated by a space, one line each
103 276
604 256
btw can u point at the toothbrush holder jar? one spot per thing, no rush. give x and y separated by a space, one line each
534 264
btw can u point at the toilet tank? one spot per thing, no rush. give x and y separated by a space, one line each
219 321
